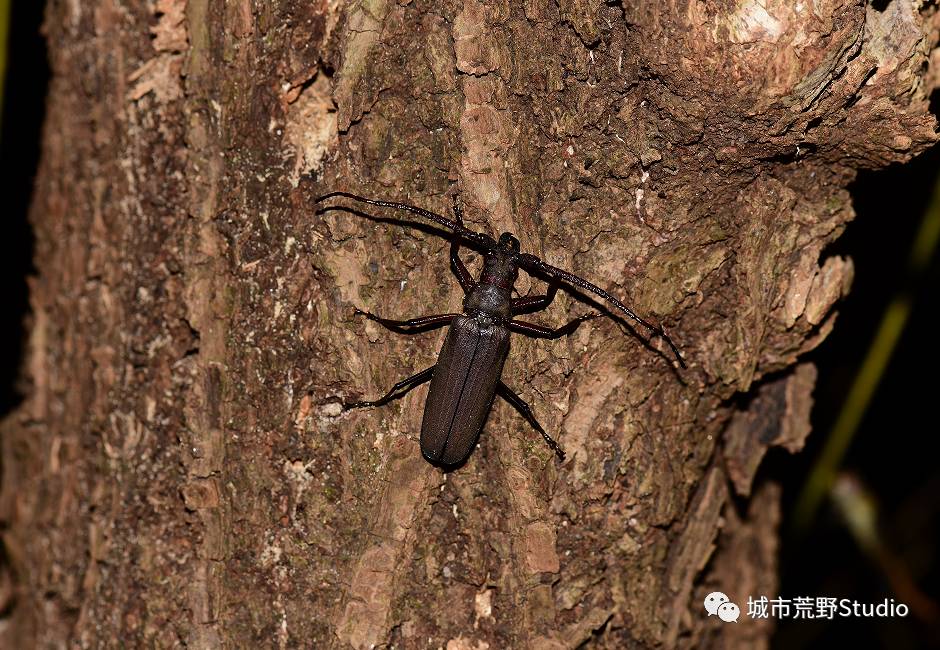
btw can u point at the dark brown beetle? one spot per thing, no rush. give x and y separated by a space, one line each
467 374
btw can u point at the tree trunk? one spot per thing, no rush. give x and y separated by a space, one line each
181 471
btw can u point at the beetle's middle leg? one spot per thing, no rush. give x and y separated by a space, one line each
398 390
520 405
411 326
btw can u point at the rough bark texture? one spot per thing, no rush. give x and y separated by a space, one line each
180 472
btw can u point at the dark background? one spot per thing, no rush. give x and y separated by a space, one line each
892 454
24 98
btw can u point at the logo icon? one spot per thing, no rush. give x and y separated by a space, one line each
715 600
718 604
729 612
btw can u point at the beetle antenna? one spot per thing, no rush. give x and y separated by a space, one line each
532 263
478 238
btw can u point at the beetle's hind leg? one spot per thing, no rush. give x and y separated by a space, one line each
400 389
520 405
411 326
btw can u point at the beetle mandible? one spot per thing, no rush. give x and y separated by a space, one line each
467 374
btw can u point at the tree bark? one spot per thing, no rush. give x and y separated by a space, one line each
181 473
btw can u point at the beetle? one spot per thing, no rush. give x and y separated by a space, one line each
467 375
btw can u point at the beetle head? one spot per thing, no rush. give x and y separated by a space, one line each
508 242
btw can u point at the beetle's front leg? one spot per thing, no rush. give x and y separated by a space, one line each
398 390
541 332
534 303
411 326
456 264
520 405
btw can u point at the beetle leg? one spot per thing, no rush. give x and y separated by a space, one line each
456 264
520 405
542 332
412 326
534 303
398 390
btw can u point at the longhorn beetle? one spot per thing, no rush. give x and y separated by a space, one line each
466 377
